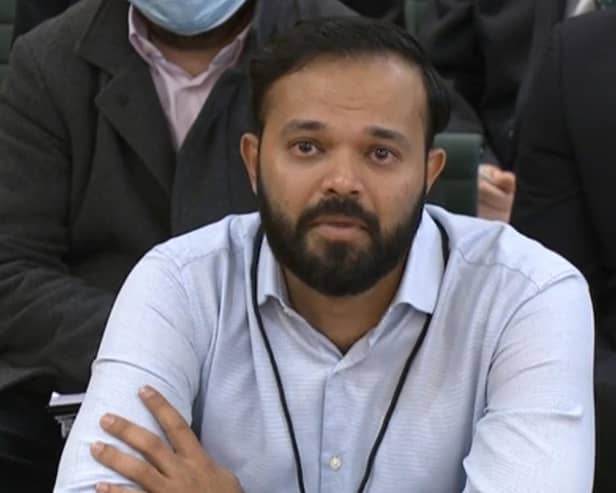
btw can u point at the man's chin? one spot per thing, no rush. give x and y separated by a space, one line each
323 239
337 253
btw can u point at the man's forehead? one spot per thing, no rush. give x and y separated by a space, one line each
386 68
381 92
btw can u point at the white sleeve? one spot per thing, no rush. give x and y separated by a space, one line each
148 340
537 433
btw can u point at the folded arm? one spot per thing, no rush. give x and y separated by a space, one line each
148 341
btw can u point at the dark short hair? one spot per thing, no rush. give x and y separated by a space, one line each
346 37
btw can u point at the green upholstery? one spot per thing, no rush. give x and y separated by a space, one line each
456 188
414 11
606 4
7 16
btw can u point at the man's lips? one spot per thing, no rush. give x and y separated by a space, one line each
339 228
338 221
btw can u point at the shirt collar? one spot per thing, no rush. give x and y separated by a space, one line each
419 286
271 281
421 280
138 38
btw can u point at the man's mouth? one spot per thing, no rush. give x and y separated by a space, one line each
339 220
338 227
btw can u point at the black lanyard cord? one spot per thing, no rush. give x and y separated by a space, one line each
268 347
283 400
393 403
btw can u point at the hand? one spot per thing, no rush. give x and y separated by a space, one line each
496 189
185 468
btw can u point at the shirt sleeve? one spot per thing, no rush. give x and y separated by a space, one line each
148 341
537 431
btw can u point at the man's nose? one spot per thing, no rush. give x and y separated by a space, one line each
343 176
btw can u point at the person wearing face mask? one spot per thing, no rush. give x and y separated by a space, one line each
119 128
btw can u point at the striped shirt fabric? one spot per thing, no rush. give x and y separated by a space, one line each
498 400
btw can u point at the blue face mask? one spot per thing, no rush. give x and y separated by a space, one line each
188 17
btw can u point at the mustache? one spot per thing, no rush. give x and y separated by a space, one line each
338 206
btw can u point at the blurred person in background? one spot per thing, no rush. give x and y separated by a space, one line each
565 196
488 49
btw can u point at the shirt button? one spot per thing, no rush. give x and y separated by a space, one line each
335 463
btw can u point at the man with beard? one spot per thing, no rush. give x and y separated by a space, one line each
346 338
119 128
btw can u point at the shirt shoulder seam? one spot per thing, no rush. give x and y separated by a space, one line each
539 286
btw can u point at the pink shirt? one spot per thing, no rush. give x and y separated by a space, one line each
181 95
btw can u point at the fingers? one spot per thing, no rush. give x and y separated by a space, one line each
128 466
496 191
490 193
505 180
173 424
110 488
494 202
502 179
487 171
151 446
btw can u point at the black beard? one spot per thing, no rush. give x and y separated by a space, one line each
341 269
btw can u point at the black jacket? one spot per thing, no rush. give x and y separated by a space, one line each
488 48
566 174
30 13
89 180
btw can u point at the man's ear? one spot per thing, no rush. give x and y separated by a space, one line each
249 149
436 164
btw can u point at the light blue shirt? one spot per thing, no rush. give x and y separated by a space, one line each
498 400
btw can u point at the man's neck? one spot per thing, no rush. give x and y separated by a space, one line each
194 54
344 320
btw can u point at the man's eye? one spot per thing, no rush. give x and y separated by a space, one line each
305 147
382 154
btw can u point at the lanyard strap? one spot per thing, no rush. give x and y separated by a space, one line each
283 399
281 394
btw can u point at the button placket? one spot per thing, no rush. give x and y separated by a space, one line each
333 436
335 463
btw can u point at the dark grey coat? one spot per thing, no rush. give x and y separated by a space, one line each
89 180
488 49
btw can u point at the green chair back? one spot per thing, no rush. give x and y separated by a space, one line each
456 188
7 17
605 4
414 13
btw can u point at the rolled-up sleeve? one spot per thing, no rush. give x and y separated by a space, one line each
148 340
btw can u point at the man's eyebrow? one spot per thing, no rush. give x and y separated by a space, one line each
303 125
388 134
